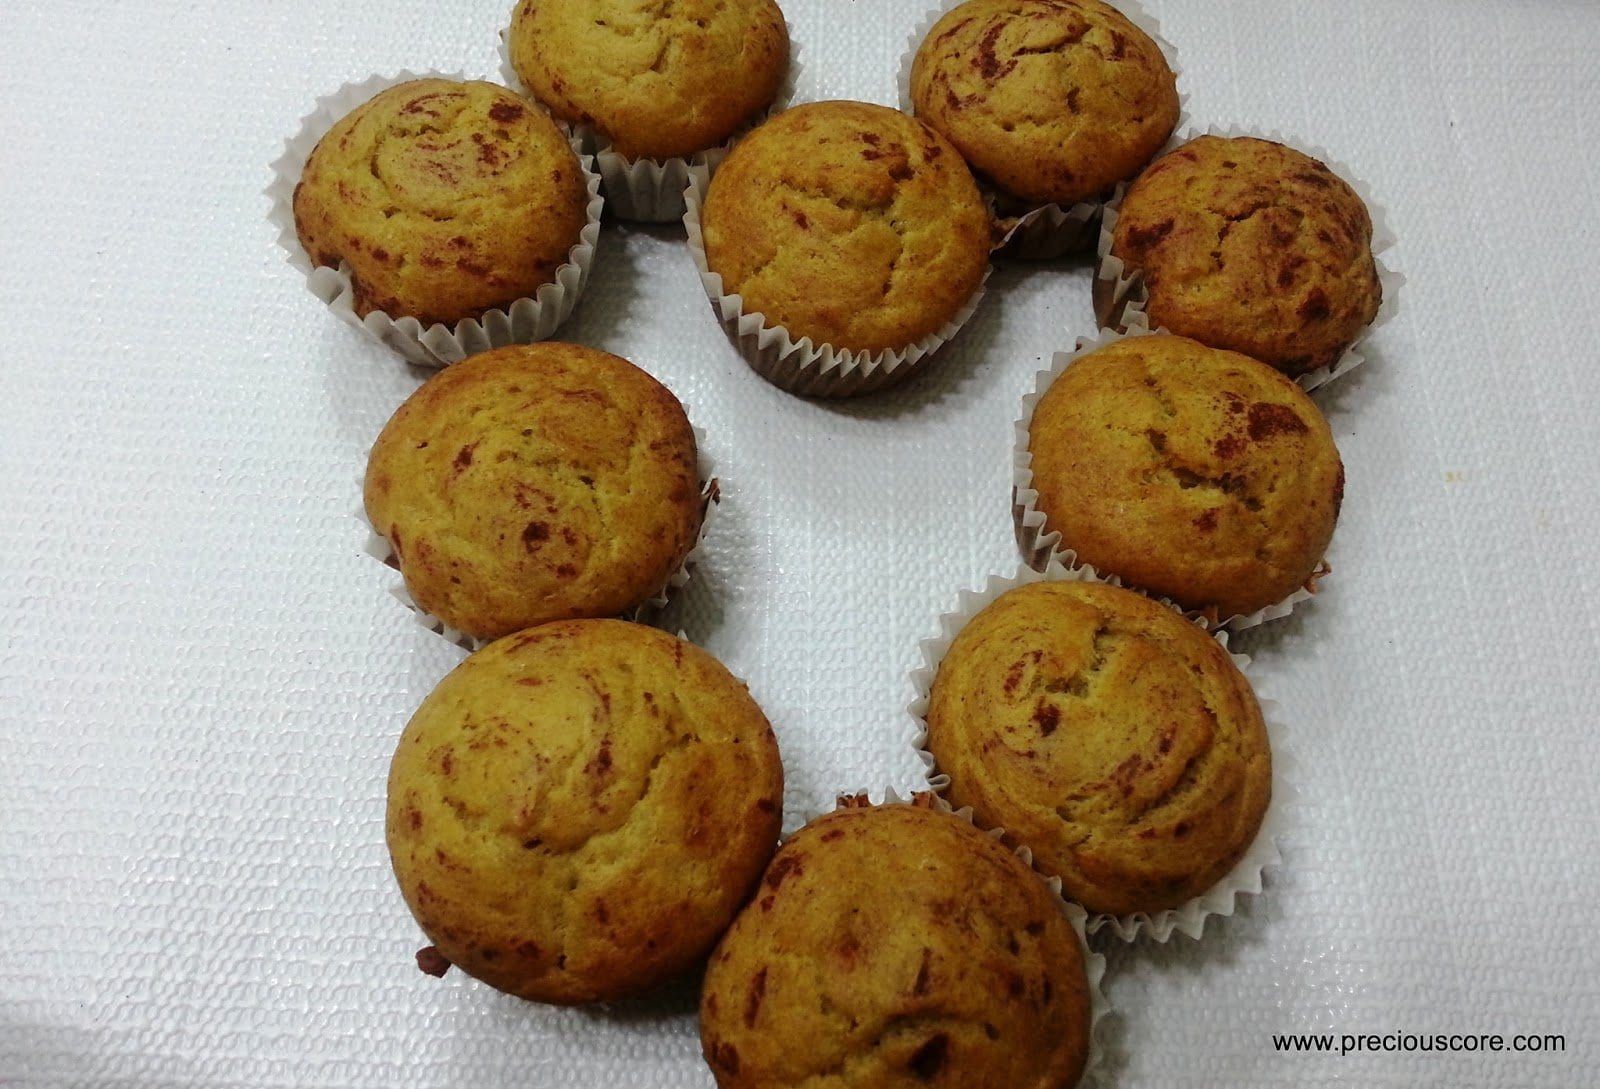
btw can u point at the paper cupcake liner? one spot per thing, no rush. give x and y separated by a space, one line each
1040 548
1094 964
522 322
647 612
651 190
1222 898
1045 231
1129 299
800 366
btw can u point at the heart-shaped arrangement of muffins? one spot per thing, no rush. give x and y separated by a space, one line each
589 806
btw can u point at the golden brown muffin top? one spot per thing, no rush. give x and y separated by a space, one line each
1200 474
659 78
896 946
576 812
1250 245
447 199
536 482
1054 100
1110 735
852 224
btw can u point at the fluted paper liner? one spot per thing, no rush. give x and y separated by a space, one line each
1040 548
1094 964
1044 231
651 190
1223 897
1128 295
801 366
648 612
522 322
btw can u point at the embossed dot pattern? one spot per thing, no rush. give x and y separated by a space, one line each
202 678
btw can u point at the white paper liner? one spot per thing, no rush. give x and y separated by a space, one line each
1129 298
1039 548
524 321
1094 964
1221 898
803 367
648 612
651 190
1048 230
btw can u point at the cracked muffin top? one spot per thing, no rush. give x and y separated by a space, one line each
447 199
1109 734
576 812
852 224
895 946
1052 100
1249 245
659 78
1199 474
535 482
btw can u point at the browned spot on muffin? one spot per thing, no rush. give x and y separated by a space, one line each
505 112
534 533
1047 717
986 61
758 991
1267 419
923 972
726 1056
1142 238
782 868
419 104
1316 307
1207 521
464 456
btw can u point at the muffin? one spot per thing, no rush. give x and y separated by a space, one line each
1054 101
577 811
533 483
446 199
657 82
896 946
1248 245
1199 474
1107 733
851 224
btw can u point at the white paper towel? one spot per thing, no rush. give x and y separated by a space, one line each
201 678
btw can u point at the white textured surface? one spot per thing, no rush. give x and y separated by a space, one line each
201 675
